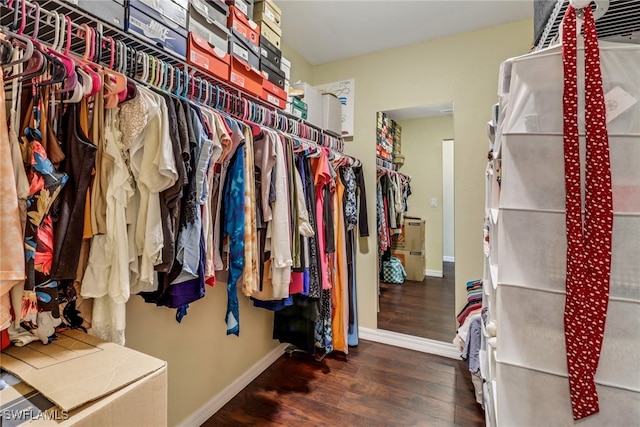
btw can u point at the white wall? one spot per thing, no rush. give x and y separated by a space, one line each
448 200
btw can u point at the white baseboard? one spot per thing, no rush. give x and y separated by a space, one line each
423 345
448 259
433 273
218 401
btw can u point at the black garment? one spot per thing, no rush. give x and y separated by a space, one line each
183 293
363 220
327 213
80 158
170 198
314 260
295 324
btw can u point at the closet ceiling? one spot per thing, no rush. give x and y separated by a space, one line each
328 30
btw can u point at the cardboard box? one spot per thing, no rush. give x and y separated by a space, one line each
414 263
80 380
411 238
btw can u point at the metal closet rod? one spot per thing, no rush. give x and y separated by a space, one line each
191 75
387 170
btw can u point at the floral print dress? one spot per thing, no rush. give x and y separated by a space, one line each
45 184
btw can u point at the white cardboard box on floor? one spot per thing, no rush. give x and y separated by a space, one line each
79 380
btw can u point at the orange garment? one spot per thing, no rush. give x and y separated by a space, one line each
340 288
83 117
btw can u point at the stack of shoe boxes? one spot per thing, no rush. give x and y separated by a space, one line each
244 47
267 15
208 43
398 158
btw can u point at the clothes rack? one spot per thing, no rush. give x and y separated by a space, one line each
168 72
382 169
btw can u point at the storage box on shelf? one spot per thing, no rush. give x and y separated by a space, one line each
209 20
331 113
273 73
167 12
297 107
207 57
216 35
162 32
267 13
244 6
245 77
285 66
274 94
313 99
112 11
271 53
269 34
243 48
240 82
242 25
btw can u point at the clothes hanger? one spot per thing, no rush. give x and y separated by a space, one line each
20 41
71 81
165 75
85 63
57 68
171 80
6 51
178 82
161 68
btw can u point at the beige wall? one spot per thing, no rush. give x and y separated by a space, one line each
300 69
422 148
202 359
462 69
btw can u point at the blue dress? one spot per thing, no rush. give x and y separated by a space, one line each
233 230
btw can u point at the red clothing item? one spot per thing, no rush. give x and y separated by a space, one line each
321 177
588 243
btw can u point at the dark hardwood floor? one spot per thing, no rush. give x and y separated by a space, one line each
375 385
423 309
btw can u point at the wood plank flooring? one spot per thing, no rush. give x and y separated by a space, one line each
375 385
423 309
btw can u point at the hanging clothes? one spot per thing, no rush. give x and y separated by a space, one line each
142 192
